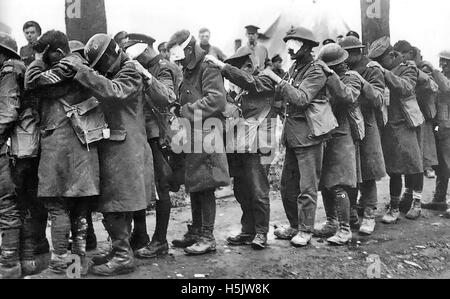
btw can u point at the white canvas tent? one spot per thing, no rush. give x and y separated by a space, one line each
321 19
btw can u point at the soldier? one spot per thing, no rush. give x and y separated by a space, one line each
17 247
125 159
77 48
121 38
400 137
161 92
26 169
251 184
372 159
203 98
339 172
68 170
260 53
204 35
426 90
439 202
304 152
277 66
32 31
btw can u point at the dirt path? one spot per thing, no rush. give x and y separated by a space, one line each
419 249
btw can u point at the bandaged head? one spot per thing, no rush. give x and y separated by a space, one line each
136 50
177 51
294 45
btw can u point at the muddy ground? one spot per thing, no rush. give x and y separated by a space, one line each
411 249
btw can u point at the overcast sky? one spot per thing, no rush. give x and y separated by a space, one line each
425 24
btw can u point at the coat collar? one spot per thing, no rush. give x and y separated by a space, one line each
362 65
304 62
154 61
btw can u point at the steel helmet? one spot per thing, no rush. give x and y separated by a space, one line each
76 46
302 34
96 47
350 43
9 44
333 54
445 55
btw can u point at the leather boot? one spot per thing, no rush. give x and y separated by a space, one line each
122 262
189 239
368 224
10 267
153 250
205 245
415 211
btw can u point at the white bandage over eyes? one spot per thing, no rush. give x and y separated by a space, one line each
294 45
136 50
177 52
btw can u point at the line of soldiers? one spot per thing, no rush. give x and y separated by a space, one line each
86 128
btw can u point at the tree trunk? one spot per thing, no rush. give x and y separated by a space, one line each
84 18
375 20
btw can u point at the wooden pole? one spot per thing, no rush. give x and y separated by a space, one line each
84 18
375 20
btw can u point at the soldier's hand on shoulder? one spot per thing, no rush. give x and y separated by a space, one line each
376 64
325 68
269 73
73 62
214 61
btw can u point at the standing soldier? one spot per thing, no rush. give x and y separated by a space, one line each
26 169
426 89
161 92
401 136
372 159
439 202
125 159
251 184
339 172
304 153
259 52
77 48
15 212
32 31
203 97
68 170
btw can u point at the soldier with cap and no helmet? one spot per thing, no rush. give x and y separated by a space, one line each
277 66
371 152
249 171
442 78
400 137
303 164
203 98
32 31
353 33
328 41
340 170
161 94
121 38
259 52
